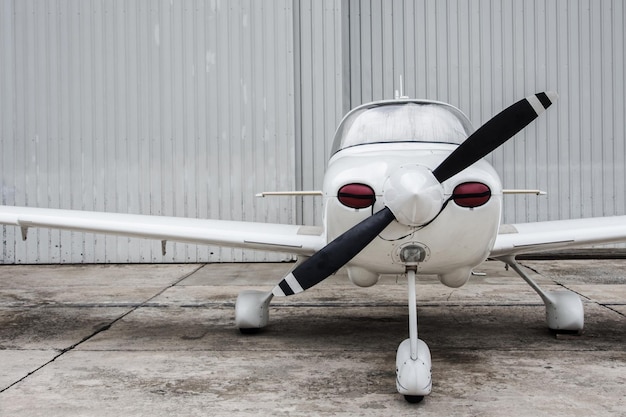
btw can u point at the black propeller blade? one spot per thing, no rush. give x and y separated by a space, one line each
494 133
336 254
345 247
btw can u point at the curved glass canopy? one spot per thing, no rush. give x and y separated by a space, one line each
402 121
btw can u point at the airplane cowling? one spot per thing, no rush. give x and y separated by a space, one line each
362 277
456 278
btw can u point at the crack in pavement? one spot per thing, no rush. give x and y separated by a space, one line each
102 328
560 284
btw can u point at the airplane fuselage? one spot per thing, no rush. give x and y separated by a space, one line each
456 239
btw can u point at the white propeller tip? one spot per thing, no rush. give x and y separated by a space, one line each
278 292
552 95
541 101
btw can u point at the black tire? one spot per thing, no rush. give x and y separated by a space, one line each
414 399
252 330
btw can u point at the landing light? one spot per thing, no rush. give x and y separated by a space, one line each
471 194
356 196
412 254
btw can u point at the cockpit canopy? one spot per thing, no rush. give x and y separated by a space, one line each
402 121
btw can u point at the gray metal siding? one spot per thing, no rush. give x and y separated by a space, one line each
482 56
320 102
172 108
190 107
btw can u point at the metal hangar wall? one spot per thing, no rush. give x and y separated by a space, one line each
179 108
482 56
190 107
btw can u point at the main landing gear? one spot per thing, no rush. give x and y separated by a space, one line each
564 313
564 309
252 311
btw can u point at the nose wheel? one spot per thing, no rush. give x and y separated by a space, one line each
413 362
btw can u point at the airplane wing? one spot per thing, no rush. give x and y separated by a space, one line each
300 240
514 239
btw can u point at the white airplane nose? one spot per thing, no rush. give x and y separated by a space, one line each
413 195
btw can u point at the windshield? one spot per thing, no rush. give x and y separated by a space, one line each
402 121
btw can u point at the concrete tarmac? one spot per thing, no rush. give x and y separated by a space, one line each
160 340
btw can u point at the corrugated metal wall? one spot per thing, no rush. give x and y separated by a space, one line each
190 107
322 91
482 56
178 108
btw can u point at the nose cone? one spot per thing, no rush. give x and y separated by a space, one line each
413 195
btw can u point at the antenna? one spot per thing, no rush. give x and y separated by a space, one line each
399 95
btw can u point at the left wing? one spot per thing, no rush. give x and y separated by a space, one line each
300 240
514 239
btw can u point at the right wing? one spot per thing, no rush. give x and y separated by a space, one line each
299 240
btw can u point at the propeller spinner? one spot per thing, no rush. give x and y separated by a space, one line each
414 196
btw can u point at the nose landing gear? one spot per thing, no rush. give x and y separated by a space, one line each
413 362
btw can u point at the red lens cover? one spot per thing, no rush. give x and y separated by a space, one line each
356 196
471 194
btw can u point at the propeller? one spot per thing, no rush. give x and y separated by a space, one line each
488 137
494 133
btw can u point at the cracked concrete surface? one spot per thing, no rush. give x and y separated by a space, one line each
110 340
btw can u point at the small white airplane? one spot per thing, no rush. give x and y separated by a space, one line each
406 192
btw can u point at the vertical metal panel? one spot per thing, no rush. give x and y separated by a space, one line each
484 55
7 119
176 108
188 108
320 94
